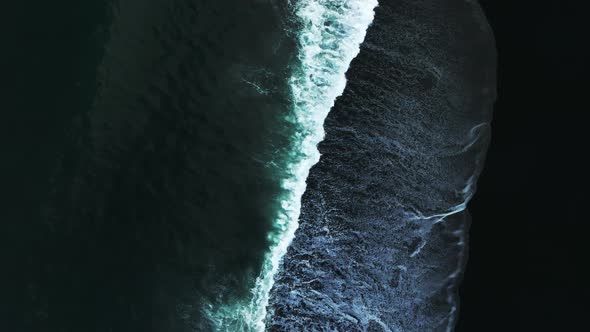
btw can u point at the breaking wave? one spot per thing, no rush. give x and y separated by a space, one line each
330 35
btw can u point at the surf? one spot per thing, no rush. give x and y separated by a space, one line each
329 36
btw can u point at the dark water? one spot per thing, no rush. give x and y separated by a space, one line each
157 151
159 196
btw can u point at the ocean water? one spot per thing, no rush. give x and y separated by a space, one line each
169 191
163 174
178 188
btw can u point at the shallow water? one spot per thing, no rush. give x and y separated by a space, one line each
384 231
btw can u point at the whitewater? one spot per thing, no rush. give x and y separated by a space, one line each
330 35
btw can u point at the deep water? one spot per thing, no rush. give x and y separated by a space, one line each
162 196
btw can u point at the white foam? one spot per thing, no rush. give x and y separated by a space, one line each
331 35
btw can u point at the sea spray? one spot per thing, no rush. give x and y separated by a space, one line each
330 38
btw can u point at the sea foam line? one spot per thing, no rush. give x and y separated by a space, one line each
330 38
